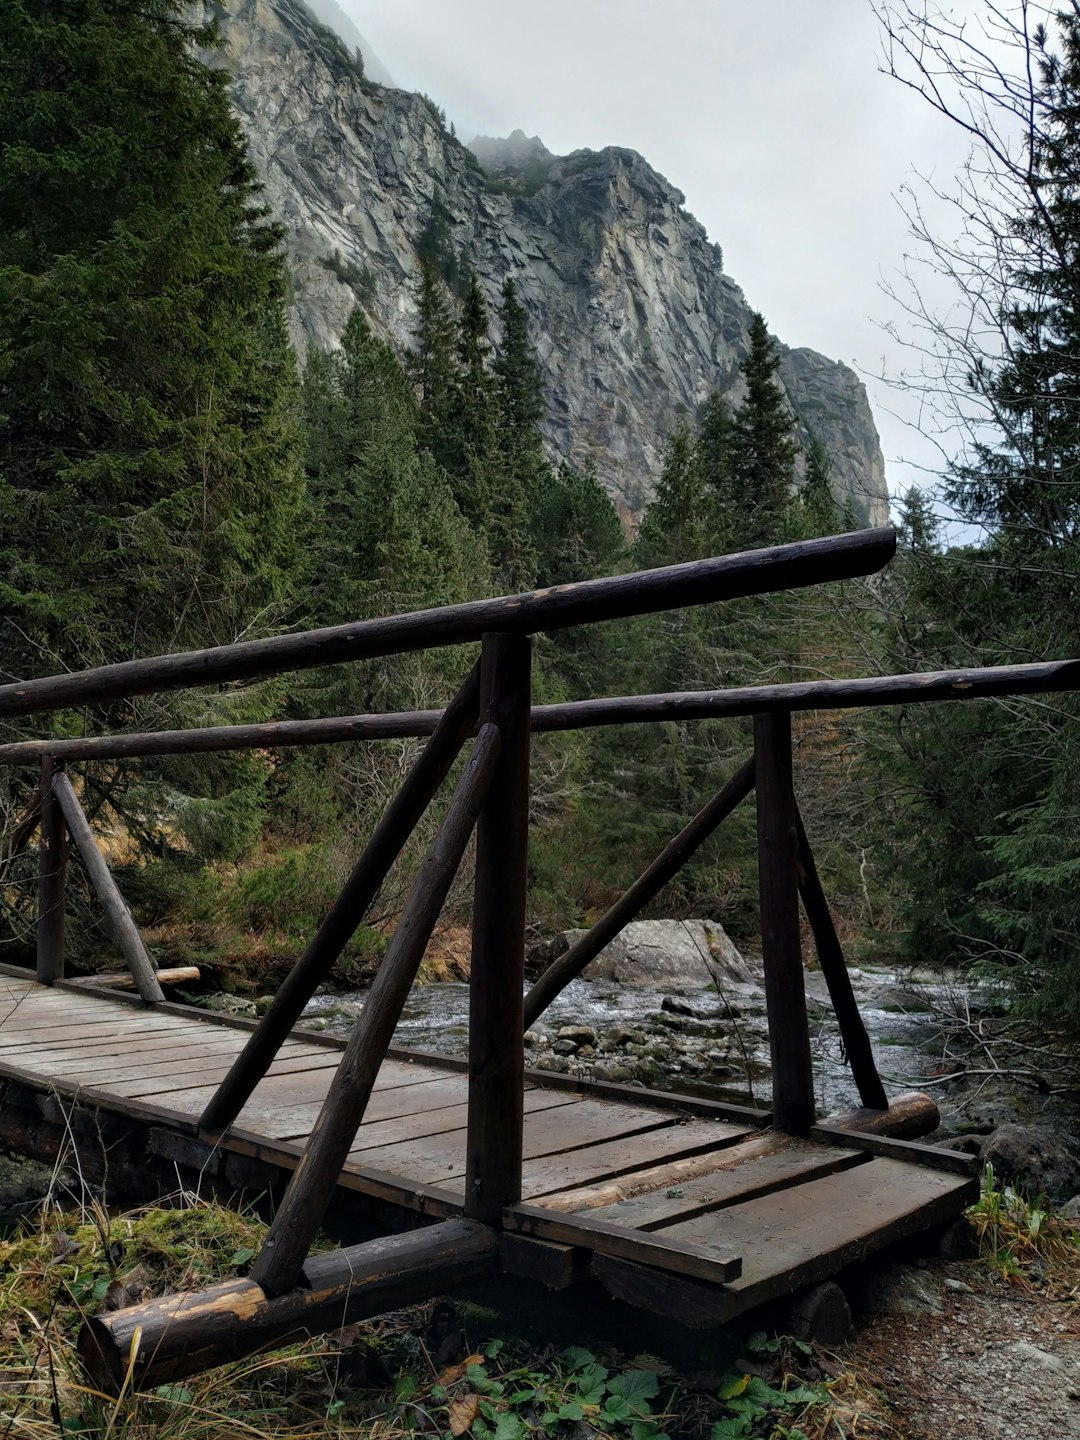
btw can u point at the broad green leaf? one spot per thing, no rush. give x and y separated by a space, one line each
636 1386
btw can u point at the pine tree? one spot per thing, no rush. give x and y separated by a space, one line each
762 444
149 476
675 527
817 508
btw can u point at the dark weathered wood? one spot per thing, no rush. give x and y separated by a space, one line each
709 1261
112 902
912 689
301 1212
797 1162
52 871
756 572
271 734
179 1335
349 909
937 1158
830 955
669 1174
558 1267
792 1239
668 863
781 947
497 976
561 1170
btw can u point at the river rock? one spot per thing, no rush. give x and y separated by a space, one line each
667 952
1034 1160
578 1035
24 1184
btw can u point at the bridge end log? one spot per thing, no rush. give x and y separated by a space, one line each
179 1335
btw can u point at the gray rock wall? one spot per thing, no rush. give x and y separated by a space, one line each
633 316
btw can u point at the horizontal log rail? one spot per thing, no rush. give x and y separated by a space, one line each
935 686
700 582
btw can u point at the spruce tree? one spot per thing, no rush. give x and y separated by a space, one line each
762 444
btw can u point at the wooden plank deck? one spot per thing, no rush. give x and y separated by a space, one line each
786 1218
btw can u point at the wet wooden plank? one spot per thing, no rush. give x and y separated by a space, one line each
932 1155
619 1157
176 1064
442 1157
315 1073
449 1118
795 1237
797 1163
711 1259
286 1120
71 1037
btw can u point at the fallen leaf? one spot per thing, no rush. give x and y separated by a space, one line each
463 1412
455 1372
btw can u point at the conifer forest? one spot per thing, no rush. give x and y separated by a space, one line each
174 474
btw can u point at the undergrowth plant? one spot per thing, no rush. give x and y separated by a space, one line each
1023 1240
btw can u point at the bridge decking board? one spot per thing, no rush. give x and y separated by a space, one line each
793 1216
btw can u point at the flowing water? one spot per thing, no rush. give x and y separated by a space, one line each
684 1038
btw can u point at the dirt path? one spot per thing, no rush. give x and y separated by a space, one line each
965 1354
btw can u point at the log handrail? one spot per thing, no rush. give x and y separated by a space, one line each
699 582
930 687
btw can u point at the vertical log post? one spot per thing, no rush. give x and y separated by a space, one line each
785 992
52 872
833 966
496 1040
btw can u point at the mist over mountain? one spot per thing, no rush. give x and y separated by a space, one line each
631 311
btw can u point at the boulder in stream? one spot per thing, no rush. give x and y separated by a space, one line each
658 953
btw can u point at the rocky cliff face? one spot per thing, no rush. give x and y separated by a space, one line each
632 313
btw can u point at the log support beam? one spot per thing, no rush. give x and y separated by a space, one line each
52 878
179 1335
833 966
112 902
781 947
279 1263
667 864
496 1029
349 909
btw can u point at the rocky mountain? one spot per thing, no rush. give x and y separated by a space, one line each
632 313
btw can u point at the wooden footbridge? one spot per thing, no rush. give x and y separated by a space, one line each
692 1209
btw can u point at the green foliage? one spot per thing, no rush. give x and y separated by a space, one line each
148 458
491 1398
762 444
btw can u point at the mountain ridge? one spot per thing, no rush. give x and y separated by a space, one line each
633 317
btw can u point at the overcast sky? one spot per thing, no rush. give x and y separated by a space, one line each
774 121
